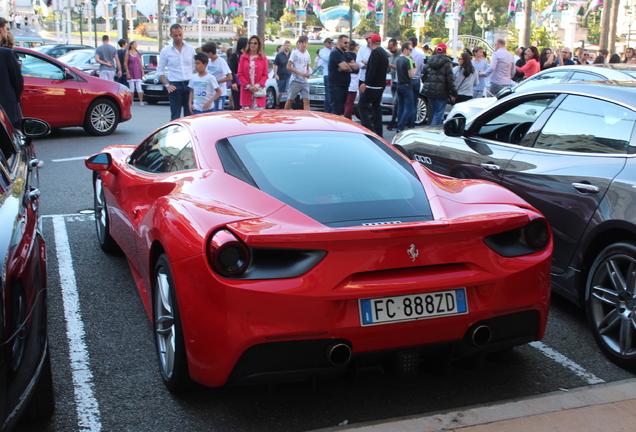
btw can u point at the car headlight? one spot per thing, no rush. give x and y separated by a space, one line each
528 239
123 88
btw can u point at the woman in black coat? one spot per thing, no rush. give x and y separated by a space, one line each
233 63
11 84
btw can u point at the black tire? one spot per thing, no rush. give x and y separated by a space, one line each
42 403
171 352
151 101
102 117
610 303
102 221
270 98
421 111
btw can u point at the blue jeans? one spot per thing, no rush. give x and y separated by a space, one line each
327 107
405 107
219 104
438 106
179 100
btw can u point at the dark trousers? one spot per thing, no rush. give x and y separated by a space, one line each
236 99
179 100
371 98
338 98
327 107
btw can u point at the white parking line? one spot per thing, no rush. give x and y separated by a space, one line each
69 159
87 406
563 360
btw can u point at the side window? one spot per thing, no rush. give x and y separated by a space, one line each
587 125
36 67
8 149
150 60
511 124
168 150
542 79
584 76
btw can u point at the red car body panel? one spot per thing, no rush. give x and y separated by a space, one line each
63 103
222 318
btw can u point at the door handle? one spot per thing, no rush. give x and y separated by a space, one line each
34 194
490 167
586 187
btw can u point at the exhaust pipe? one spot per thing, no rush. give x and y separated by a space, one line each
339 354
481 335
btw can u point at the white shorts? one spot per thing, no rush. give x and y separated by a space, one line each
135 83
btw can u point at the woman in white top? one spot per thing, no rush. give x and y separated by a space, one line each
465 78
480 64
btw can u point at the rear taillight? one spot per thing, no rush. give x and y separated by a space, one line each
537 233
228 255
531 238
389 82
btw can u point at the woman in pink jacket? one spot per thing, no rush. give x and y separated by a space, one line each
252 72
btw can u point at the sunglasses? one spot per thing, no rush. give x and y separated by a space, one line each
253 43
346 43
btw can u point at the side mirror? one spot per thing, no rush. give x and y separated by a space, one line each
99 162
504 92
35 127
455 126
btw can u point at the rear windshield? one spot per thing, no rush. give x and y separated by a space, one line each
336 178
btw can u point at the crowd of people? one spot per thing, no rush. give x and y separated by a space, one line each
198 82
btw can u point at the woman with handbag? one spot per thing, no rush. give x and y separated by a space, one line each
465 78
252 72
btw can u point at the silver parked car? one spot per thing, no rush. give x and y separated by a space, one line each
596 72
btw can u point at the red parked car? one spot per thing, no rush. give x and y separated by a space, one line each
272 245
64 97
26 382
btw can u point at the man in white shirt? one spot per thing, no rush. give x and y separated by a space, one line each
176 64
218 67
324 54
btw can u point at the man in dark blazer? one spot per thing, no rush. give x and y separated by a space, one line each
11 83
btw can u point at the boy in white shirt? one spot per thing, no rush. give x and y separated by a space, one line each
298 64
202 85
218 67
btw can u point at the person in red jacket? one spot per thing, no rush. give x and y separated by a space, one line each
252 72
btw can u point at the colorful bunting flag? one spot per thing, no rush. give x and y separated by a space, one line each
593 7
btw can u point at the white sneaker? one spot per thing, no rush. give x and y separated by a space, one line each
141 104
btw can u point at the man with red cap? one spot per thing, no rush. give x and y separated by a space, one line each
373 86
438 82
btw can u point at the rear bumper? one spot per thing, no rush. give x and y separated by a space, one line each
226 321
307 359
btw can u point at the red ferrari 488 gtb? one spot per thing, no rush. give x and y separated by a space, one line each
271 245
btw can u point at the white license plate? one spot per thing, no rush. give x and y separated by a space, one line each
383 310
316 97
155 87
